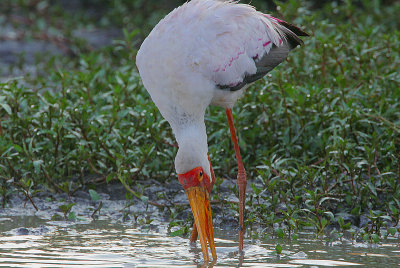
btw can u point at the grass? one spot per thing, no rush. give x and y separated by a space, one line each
320 135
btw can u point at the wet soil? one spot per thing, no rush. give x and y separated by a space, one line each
160 202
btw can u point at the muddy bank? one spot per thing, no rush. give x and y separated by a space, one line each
158 203
155 204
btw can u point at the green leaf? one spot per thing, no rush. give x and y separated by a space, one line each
94 195
393 209
375 238
110 177
392 231
72 216
37 164
278 248
385 217
18 148
57 217
65 208
327 198
256 190
173 224
279 233
330 215
6 107
372 188
341 222
366 237
178 232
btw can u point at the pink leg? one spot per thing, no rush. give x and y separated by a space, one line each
195 234
241 179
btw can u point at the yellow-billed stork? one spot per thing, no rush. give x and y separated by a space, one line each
207 52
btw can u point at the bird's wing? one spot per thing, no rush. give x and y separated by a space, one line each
237 45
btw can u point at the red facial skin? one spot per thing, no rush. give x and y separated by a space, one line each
195 177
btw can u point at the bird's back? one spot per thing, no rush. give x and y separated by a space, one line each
205 48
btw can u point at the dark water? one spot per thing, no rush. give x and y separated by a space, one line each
29 241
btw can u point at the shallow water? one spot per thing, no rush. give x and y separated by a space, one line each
29 241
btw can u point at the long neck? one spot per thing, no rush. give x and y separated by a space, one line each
193 148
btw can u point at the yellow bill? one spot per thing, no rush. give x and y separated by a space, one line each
199 200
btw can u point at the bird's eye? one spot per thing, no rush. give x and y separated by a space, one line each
201 173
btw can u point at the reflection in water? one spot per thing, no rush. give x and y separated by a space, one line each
324 262
107 244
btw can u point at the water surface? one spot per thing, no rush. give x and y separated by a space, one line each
29 241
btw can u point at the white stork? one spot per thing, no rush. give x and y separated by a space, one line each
207 52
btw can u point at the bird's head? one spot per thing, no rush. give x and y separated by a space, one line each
197 185
195 178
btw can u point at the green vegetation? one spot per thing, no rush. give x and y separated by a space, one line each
320 135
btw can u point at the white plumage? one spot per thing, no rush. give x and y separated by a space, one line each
202 44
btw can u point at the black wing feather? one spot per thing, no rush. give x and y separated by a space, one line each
274 57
